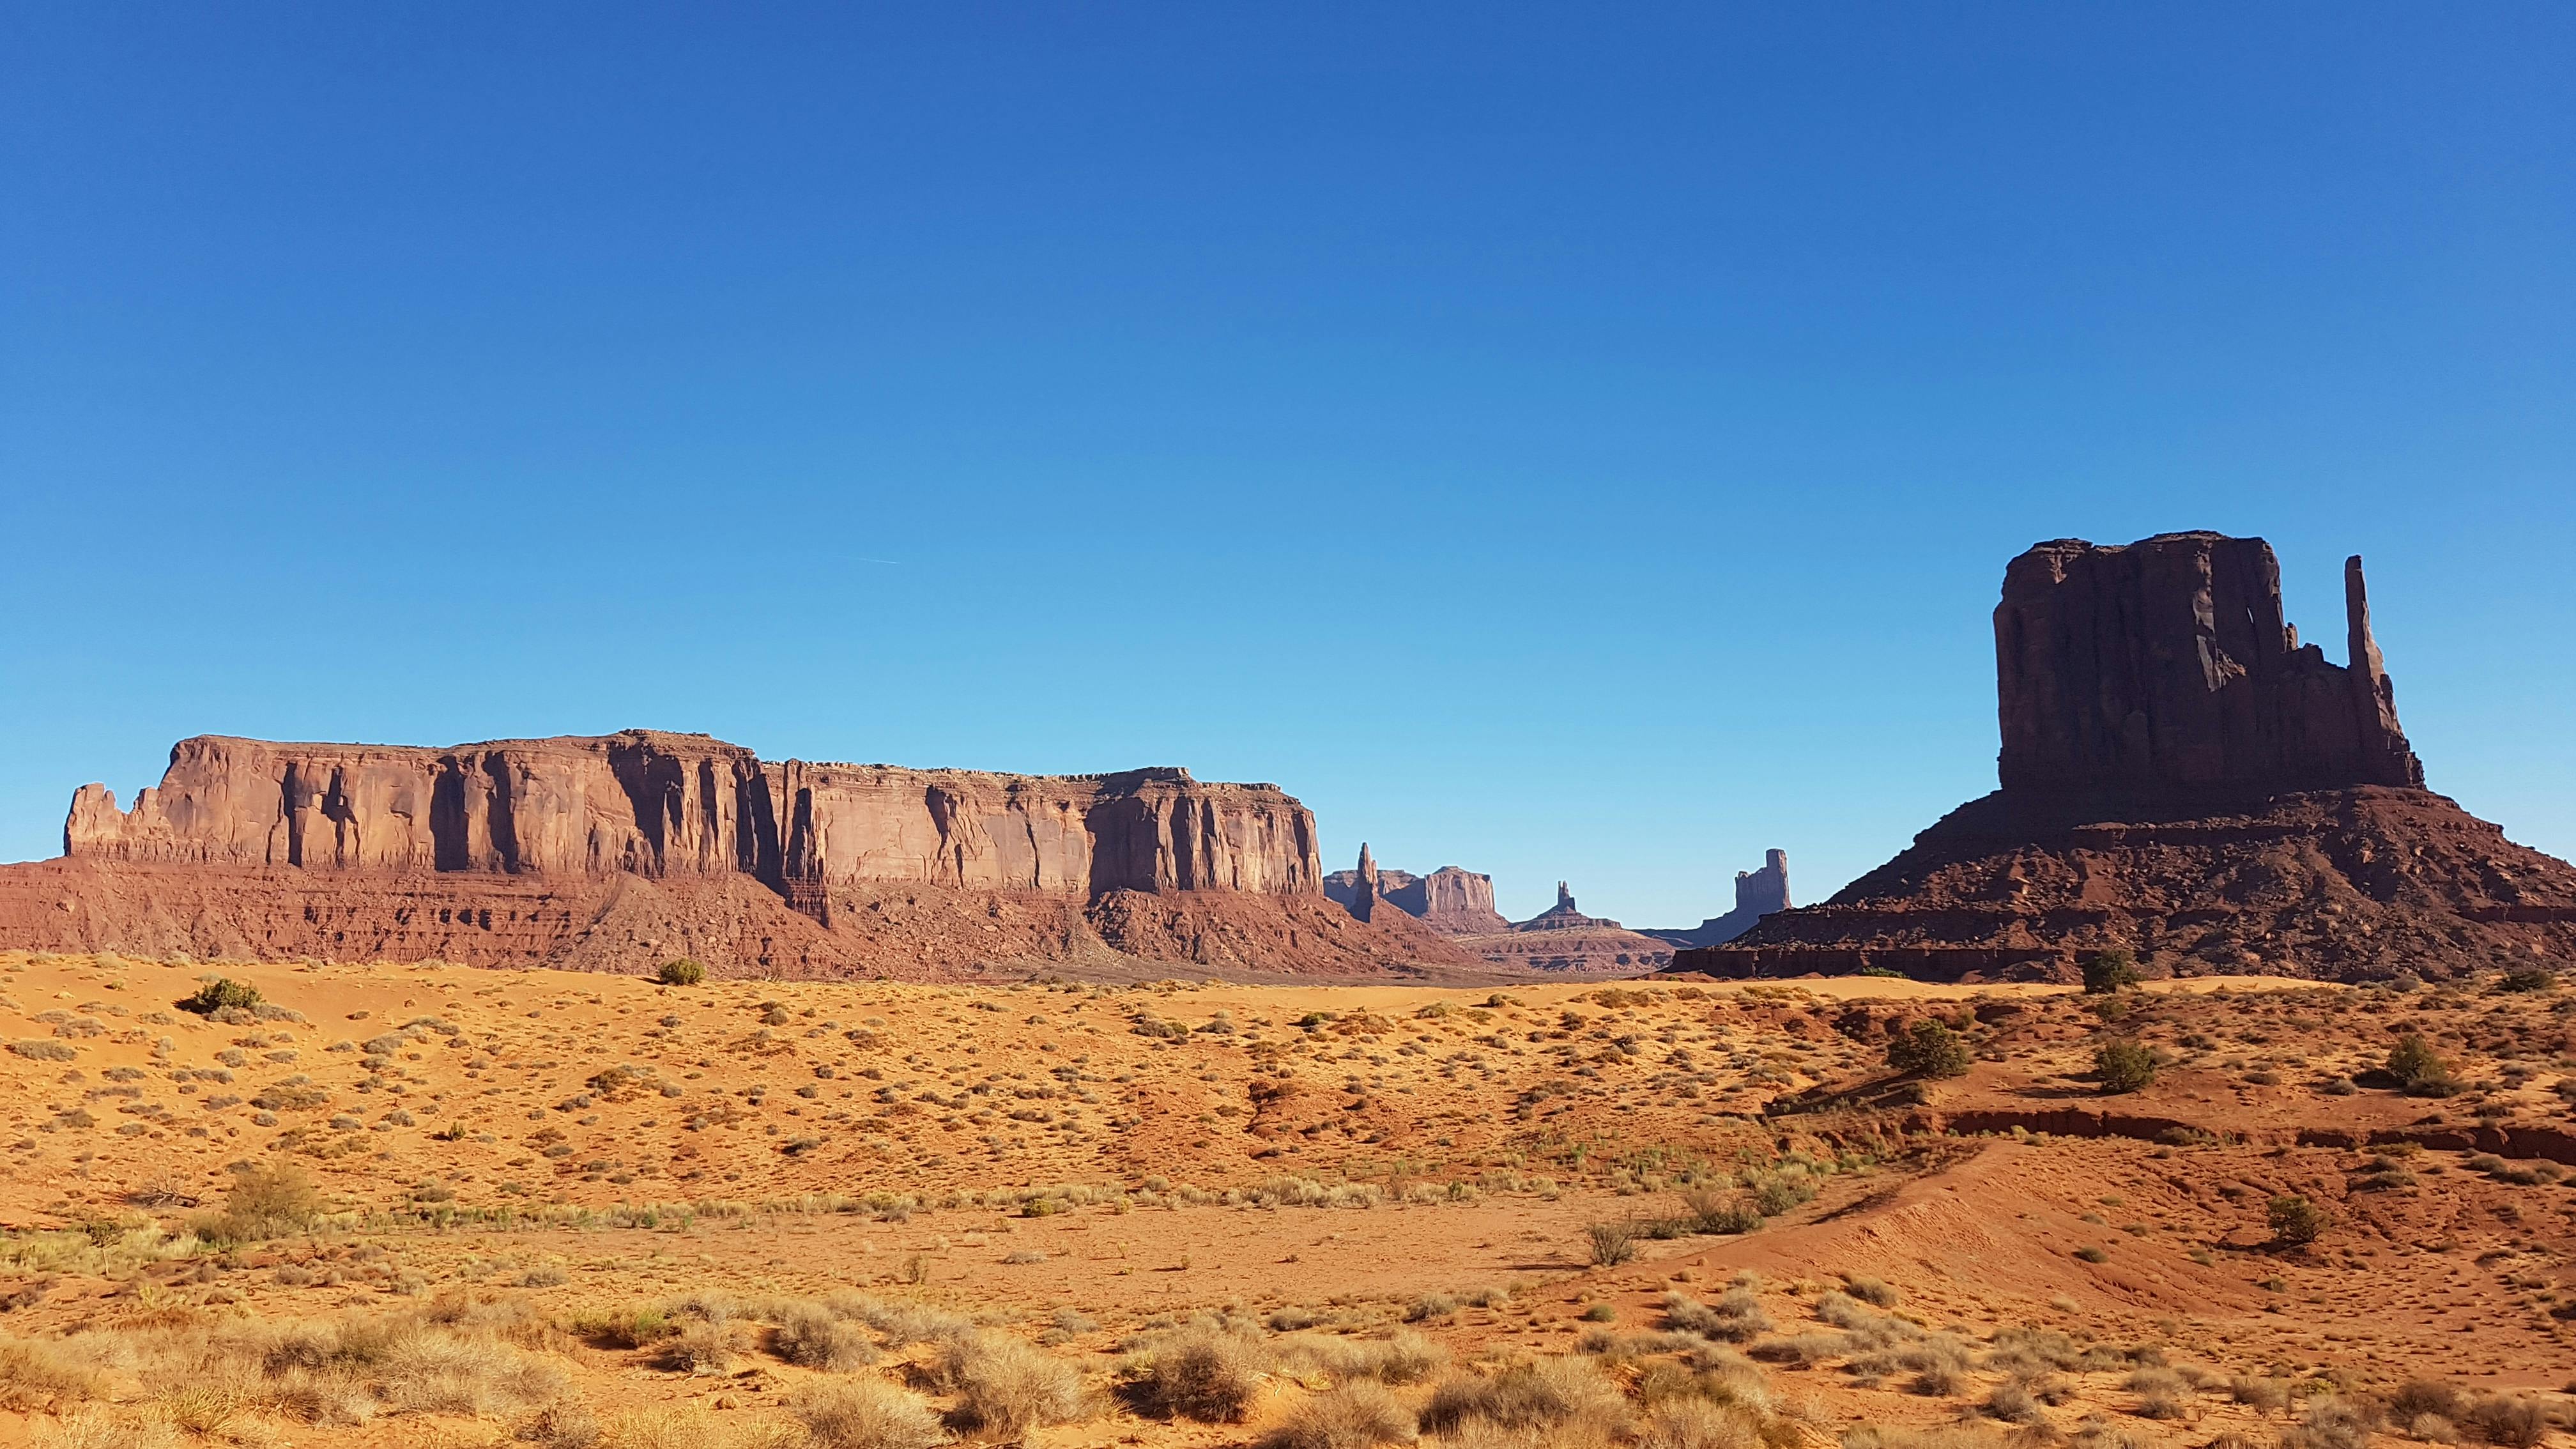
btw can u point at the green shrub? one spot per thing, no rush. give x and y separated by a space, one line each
264 1202
2295 1221
2527 978
2419 1070
2109 971
221 994
1929 1049
1612 1243
682 972
2123 1066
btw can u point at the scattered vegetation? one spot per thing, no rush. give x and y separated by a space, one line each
2124 1066
681 972
1929 1049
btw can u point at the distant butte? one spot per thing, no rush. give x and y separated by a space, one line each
617 851
2184 779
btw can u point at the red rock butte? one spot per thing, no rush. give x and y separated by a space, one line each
2183 779
613 850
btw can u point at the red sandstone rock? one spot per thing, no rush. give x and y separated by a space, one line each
1758 893
2182 779
618 851
1451 901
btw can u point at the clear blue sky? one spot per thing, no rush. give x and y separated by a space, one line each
1575 442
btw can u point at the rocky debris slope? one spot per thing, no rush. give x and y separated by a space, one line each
1758 893
2184 780
620 850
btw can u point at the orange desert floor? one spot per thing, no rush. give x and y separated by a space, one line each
401 1204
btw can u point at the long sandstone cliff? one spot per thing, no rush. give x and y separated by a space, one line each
578 849
2182 779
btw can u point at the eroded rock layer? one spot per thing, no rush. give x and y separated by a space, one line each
2184 780
629 847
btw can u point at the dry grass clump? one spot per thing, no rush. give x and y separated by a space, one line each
564 1425
1560 1403
1736 1317
1005 1387
2263 1395
1206 1374
2162 1393
1695 1423
1873 1291
1938 1436
866 1413
709 1346
264 1202
39 1376
1405 1357
695 1428
1355 1415
95 1428
811 1336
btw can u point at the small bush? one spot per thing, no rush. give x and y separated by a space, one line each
1557 1401
2124 1066
702 1348
1735 1318
866 1413
2109 971
2419 1070
1698 1423
221 994
811 1338
264 1202
1358 1415
1202 1374
1929 1049
1711 1211
2295 1221
98 1429
2333 1422
1007 1388
2014 1403
1612 1243
1872 1291
2527 978
34 1376
561 1426
2263 1395
682 972
2515 1423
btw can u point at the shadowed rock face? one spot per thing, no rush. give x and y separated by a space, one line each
1758 893
1451 900
2164 670
663 805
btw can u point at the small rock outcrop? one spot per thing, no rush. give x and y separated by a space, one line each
2184 780
1758 893
1451 900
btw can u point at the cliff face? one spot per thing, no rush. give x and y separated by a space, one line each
2165 670
2184 780
654 804
617 852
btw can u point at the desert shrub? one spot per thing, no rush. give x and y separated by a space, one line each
2527 978
1404 1358
37 1376
1356 1415
221 994
2013 1402
2417 1397
2124 1066
2161 1392
681 972
811 1337
1557 1401
2263 1395
1929 1049
2333 1422
2419 1070
264 1202
2029 1352
2295 1221
866 1413
1007 1388
1698 1423
40 1050
1873 1291
1937 1436
1803 1349
1779 1190
1612 1243
2109 971
708 1346
2516 1423
1735 1317
1710 1211
561 1426
98 1429
1203 1374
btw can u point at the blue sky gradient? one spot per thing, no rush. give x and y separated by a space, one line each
1565 442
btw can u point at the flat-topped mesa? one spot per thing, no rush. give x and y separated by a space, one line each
657 804
1758 893
2164 669
1452 900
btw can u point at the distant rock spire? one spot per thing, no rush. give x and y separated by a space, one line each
1364 895
1564 897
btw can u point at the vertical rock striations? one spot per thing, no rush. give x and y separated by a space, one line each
2164 670
2184 780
